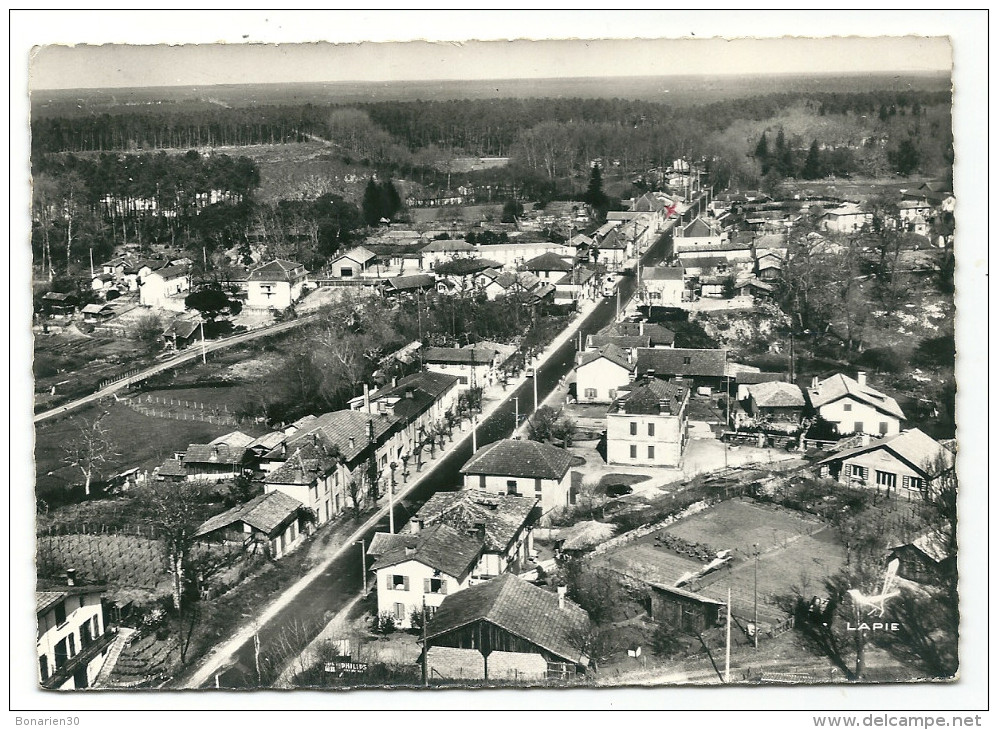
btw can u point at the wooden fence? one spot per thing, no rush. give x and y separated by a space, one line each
187 410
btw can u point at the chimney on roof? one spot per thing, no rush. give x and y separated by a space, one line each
353 442
861 378
409 392
214 452
641 328
367 398
480 530
70 576
315 438
663 406
562 590
395 382
814 382
620 406
409 550
284 448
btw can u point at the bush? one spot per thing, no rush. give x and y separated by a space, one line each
666 641
385 623
883 360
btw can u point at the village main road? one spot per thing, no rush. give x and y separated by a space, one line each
183 358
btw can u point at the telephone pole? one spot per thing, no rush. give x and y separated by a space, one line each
727 642
755 597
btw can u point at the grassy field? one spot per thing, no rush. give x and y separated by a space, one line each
141 441
795 551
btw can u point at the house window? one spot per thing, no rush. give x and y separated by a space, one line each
860 472
913 483
481 481
435 585
651 452
511 486
590 392
651 429
847 407
537 486
634 451
887 479
72 644
687 360
612 393
857 427
43 665
400 612
60 613
96 627
346 272
883 428
398 582
634 428
61 654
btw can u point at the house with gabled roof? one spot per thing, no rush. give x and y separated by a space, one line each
776 401
548 267
214 462
704 367
473 366
272 523
310 474
353 263
910 461
275 285
166 288
527 468
422 568
612 250
647 425
601 372
506 522
73 640
448 249
662 286
508 614
929 558
855 407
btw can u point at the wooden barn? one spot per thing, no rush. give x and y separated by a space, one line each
689 612
507 614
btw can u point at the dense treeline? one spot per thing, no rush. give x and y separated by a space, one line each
170 128
487 127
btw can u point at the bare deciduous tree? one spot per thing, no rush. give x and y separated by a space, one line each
91 449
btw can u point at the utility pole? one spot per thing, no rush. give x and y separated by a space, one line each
363 562
426 669
256 657
204 356
534 378
91 262
474 433
755 597
516 413
727 642
391 504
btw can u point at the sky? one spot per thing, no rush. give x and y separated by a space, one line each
679 43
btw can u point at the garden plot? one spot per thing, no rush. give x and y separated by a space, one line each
795 551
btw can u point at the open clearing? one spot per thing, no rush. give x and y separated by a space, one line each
795 550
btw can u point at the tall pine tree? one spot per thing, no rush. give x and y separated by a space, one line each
762 153
372 204
812 165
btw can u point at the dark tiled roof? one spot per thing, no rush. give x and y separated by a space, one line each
278 270
662 273
519 608
667 362
415 281
622 341
459 355
657 334
610 352
776 394
446 245
266 513
752 378
440 547
515 458
502 515
547 262
647 398
338 427
172 468
172 272
613 241
182 328
305 463
214 454
384 542
912 445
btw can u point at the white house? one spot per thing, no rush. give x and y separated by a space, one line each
855 407
436 252
352 263
273 523
663 285
600 373
506 522
166 288
847 218
312 475
528 468
648 425
73 641
910 460
421 569
276 285
474 366
548 267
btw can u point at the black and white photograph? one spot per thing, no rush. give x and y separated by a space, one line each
551 360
